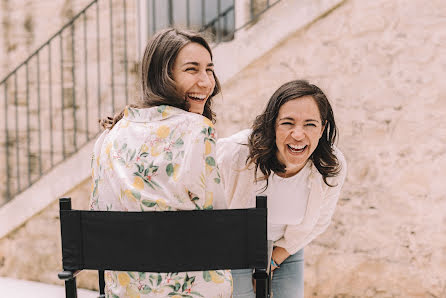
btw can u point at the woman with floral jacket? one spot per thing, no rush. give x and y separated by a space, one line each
160 155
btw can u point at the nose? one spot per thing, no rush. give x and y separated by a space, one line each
205 81
298 133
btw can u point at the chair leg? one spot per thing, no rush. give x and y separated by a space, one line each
101 284
261 277
70 288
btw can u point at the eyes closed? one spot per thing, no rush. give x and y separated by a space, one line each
308 124
194 69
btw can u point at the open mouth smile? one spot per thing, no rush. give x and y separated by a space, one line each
296 148
196 97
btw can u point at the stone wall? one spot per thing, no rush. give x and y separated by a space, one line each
382 64
33 251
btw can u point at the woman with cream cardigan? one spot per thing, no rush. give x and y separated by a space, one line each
288 155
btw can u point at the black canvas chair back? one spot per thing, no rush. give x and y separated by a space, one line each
170 241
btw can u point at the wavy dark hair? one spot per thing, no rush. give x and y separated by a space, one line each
262 141
157 83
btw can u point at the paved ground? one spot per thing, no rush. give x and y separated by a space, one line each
15 288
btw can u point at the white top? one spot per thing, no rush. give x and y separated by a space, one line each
287 201
240 190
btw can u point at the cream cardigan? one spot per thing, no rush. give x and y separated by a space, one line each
240 191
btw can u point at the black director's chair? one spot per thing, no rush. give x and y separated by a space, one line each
203 240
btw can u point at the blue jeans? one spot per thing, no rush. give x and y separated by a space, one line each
288 280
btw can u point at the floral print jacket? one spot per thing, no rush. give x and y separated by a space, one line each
159 159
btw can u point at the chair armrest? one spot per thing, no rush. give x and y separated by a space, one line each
66 275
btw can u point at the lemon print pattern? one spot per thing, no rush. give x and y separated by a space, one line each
215 277
124 279
131 195
132 292
163 132
161 204
155 150
209 200
108 148
138 183
144 148
159 159
176 169
166 112
208 147
208 122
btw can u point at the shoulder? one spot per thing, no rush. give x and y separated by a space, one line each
234 145
100 141
239 137
195 121
236 141
193 126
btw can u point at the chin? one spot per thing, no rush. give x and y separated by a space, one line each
196 111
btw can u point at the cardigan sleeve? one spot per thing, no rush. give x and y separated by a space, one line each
96 171
293 239
231 159
200 172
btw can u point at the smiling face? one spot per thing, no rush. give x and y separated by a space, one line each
193 73
298 130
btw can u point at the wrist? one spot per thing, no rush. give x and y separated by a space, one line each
274 263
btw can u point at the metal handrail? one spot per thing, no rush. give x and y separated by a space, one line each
49 40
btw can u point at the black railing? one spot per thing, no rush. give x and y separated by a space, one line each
53 99
215 16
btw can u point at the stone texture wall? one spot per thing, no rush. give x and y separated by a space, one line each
382 64
33 252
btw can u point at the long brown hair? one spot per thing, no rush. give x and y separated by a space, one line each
157 84
262 141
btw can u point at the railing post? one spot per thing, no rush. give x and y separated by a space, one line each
112 72
73 93
28 129
87 134
16 103
8 175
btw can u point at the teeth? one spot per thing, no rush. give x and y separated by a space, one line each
298 147
197 96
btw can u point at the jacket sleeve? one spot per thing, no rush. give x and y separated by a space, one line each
231 159
294 240
224 150
202 177
96 171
